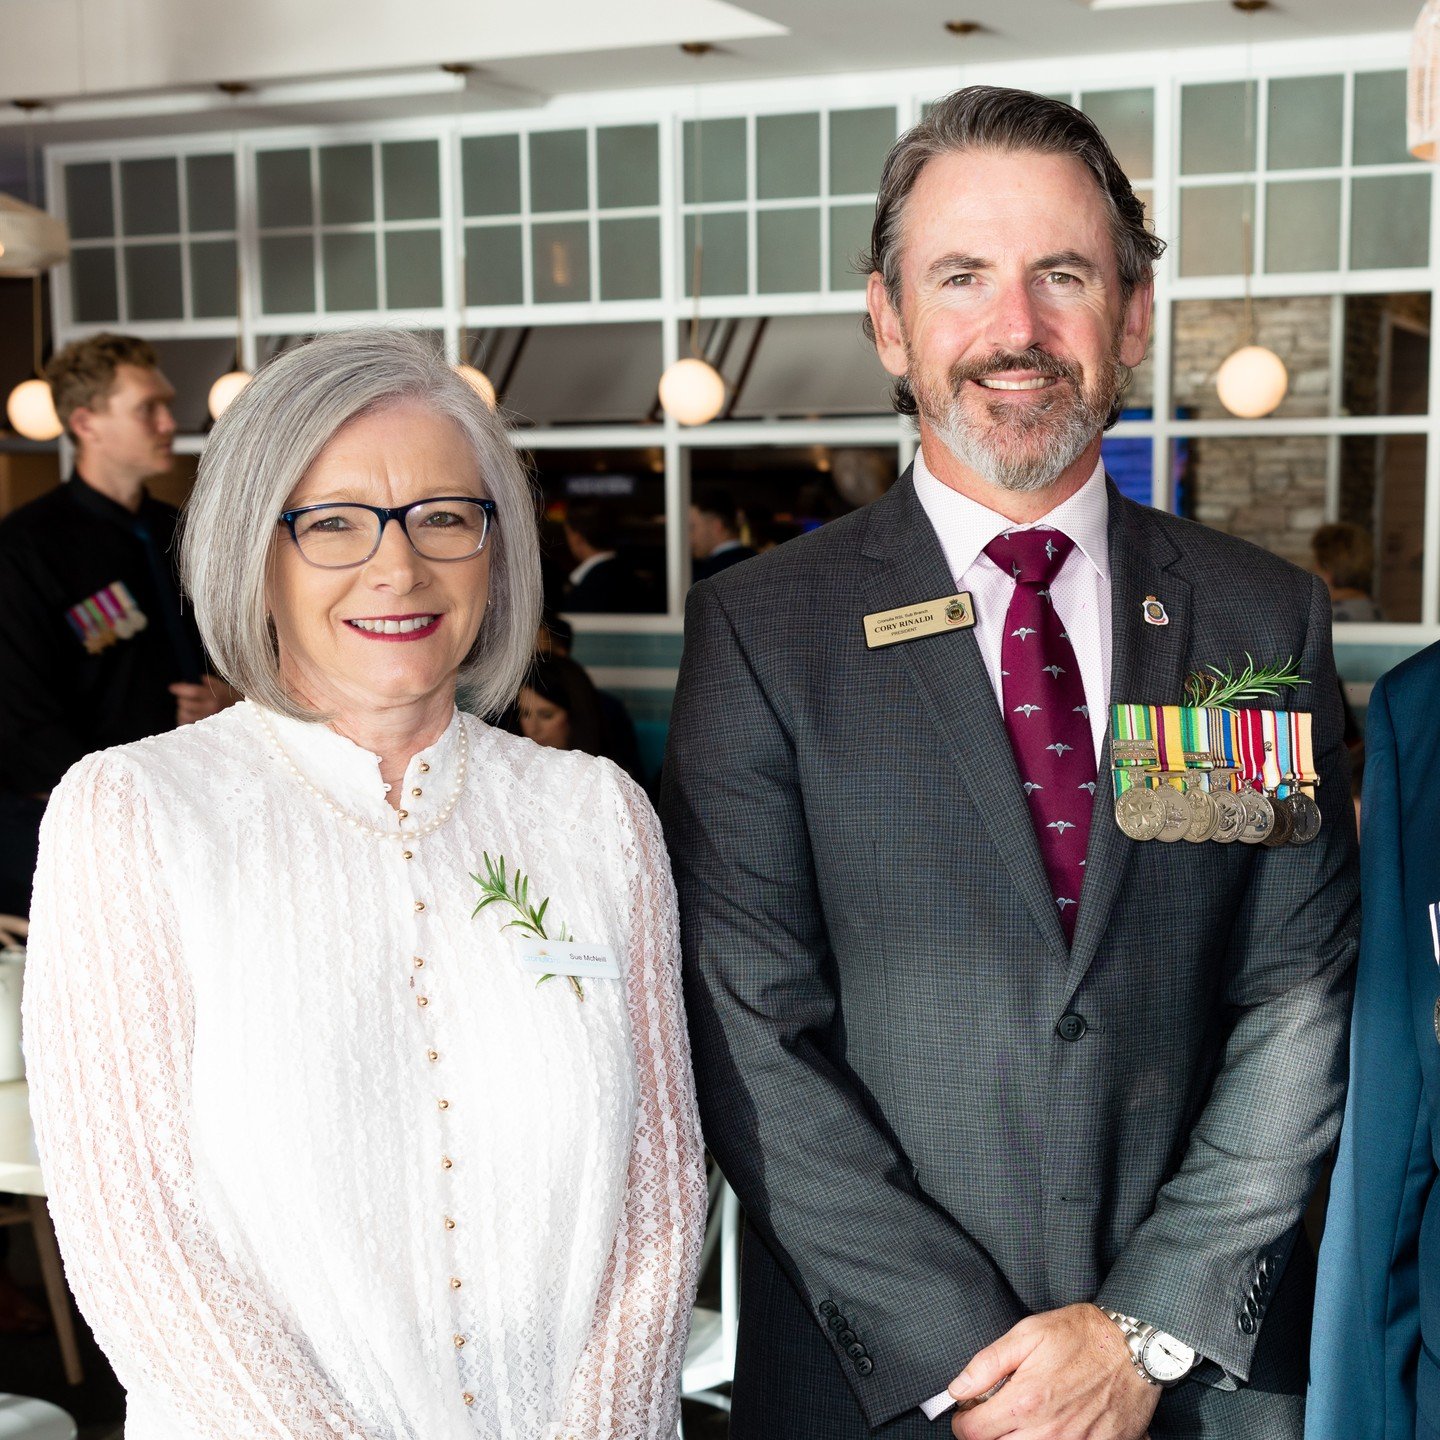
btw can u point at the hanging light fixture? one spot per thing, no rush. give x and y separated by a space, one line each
30 406
1252 380
229 385
1423 110
692 391
472 375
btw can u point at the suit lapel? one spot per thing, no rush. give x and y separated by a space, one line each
1147 666
949 672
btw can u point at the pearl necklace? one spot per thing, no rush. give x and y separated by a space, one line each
354 821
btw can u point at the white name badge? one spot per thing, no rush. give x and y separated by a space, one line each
567 957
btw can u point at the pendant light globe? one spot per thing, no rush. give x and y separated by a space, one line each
31 411
224 391
479 382
1252 382
692 392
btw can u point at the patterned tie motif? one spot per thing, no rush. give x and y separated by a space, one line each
1045 711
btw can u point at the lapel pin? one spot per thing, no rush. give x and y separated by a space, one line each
1154 611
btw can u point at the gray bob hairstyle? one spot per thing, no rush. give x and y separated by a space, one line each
262 447
990 117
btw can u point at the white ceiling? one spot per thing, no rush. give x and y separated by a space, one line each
126 67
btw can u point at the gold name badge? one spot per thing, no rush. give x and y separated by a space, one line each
910 622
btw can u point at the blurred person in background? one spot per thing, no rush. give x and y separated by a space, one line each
1345 561
715 542
96 648
601 582
618 741
325 1157
559 706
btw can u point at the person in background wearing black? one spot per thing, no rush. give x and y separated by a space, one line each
95 646
601 582
556 640
559 706
715 542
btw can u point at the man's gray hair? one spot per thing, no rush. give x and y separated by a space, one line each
262 447
989 117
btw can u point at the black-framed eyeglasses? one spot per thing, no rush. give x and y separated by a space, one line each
336 536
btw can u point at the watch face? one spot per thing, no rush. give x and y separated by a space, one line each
1166 1358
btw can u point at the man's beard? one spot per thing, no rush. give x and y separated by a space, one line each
1026 448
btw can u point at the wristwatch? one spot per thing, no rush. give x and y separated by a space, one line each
1158 1358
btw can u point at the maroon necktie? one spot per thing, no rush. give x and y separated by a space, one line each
1045 711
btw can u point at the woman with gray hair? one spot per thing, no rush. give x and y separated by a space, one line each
356 1049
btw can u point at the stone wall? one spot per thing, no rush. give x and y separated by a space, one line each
1272 489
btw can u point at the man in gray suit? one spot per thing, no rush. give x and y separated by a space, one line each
1006 1095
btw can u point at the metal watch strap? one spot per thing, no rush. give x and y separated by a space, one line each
1136 1333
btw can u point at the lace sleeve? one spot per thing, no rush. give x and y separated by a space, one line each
625 1386
108 1029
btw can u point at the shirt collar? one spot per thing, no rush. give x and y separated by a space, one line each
965 526
85 495
349 775
586 566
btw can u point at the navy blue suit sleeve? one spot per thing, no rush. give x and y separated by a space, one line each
1367 1321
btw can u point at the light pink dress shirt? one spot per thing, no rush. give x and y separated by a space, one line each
1080 593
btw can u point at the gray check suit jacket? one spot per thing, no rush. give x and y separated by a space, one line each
875 977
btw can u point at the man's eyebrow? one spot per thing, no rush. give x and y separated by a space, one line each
949 264
1067 260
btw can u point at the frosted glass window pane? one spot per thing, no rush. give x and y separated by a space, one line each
494 270
560 255
628 159
725 263
1302 226
788 242
1213 128
714 161
1210 229
347 184
412 269
283 181
212 278
629 259
787 156
89 201
1127 120
558 171
150 196
1380 118
1306 122
849 240
153 288
287 274
490 173
1390 221
349 268
859 142
411 172
210 191
94 294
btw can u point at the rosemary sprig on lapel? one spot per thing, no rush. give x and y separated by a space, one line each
1226 691
529 919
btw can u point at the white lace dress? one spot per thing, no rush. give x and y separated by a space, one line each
323 1160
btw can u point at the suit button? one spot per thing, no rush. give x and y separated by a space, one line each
864 1365
846 1337
1072 1026
856 1351
836 1322
827 1308
1247 1324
